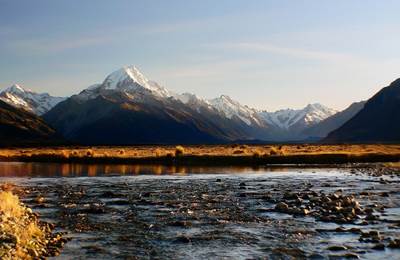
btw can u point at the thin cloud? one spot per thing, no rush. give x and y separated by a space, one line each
209 69
291 52
43 45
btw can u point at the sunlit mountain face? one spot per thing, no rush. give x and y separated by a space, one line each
127 108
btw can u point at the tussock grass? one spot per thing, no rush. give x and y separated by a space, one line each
10 205
393 164
238 151
157 152
179 150
274 151
244 154
21 235
89 152
257 154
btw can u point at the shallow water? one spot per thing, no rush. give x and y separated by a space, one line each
121 211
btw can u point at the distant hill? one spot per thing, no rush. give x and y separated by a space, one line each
19 127
377 122
323 128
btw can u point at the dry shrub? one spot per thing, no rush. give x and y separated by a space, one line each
89 152
179 150
157 152
239 151
273 151
169 155
73 153
64 154
257 154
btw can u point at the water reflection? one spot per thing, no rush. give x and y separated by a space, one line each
23 169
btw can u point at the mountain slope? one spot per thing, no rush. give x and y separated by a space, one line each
323 128
106 121
232 108
38 103
129 109
19 127
291 123
378 121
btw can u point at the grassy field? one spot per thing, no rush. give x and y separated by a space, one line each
210 154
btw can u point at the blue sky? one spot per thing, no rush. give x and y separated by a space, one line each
266 54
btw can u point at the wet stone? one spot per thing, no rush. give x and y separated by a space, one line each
379 246
182 217
337 248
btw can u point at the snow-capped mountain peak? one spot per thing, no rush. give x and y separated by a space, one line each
38 103
288 118
231 108
130 79
15 89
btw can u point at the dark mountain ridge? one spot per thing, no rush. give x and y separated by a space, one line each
377 122
21 128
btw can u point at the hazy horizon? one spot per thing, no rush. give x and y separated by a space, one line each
265 54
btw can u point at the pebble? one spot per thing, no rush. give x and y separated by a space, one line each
379 246
282 207
337 248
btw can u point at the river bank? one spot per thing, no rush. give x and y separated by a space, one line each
218 155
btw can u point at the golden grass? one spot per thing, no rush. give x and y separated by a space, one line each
393 164
22 237
261 153
179 150
10 205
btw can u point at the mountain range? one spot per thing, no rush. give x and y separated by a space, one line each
377 122
38 103
127 108
19 127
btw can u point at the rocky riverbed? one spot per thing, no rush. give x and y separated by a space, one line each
301 213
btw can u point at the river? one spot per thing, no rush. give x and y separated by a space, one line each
166 212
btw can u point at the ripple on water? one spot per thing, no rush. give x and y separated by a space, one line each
208 215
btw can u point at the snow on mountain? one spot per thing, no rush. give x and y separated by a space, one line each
188 97
38 103
287 118
128 80
230 108
193 101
